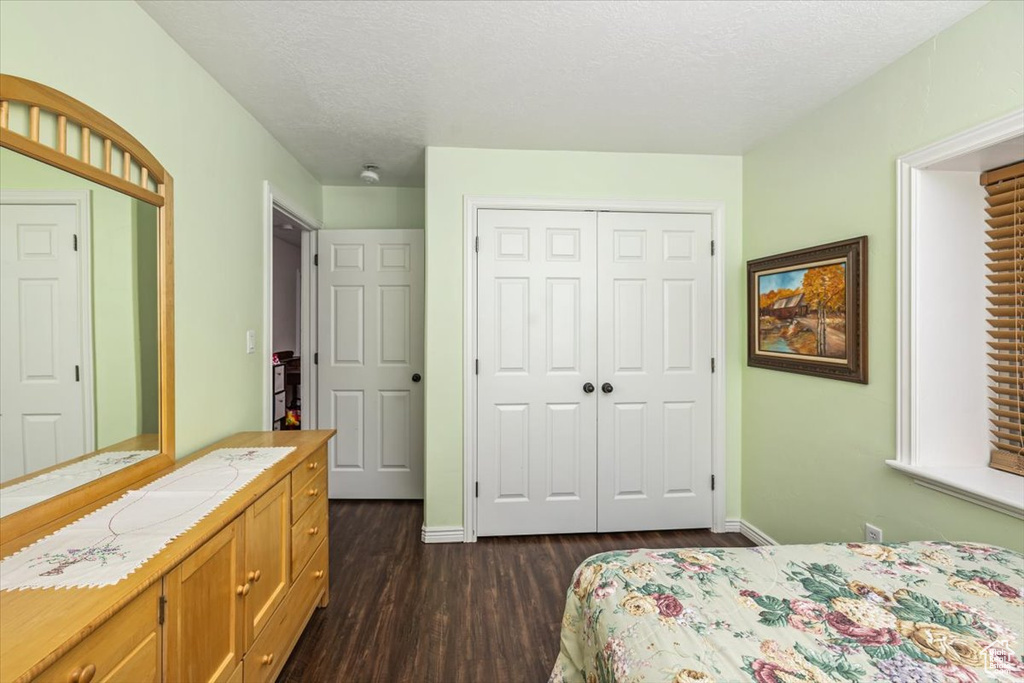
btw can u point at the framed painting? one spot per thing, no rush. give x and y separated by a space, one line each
807 311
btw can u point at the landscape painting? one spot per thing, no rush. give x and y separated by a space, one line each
803 311
808 311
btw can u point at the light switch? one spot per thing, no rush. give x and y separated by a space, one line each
250 341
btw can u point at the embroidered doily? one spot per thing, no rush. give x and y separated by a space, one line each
107 545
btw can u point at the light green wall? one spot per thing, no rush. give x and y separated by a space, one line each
116 59
372 207
814 448
146 280
117 347
454 173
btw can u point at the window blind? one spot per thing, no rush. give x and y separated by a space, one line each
1005 189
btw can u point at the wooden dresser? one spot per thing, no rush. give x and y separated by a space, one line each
225 601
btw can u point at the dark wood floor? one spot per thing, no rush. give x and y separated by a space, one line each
489 611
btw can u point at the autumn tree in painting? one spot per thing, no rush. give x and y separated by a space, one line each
824 289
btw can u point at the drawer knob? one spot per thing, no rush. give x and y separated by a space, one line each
242 590
318 574
313 493
267 660
83 674
254 576
311 466
314 530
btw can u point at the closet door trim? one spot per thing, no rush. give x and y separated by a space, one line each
471 205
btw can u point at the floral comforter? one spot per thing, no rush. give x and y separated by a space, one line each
921 612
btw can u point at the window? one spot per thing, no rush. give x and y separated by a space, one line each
961 339
1004 189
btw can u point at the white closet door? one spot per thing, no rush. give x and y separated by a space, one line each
42 418
654 355
370 359
536 331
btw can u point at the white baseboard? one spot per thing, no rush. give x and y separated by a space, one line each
756 535
741 526
442 534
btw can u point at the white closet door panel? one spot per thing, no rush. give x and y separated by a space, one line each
42 412
654 350
371 346
536 329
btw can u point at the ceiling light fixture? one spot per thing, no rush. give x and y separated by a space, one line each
370 174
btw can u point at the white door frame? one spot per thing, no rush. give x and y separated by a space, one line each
471 204
274 199
81 200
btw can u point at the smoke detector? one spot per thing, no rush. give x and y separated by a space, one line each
370 174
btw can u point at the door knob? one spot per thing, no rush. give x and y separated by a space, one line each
607 388
588 388
417 377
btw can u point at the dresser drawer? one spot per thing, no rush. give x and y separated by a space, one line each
125 648
308 494
314 463
279 406
278 378
307 534
267 655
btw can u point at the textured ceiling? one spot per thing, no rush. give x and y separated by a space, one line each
345 83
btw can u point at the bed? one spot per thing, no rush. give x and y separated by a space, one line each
925 611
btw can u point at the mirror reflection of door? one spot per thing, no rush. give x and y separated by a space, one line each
79 331
42 396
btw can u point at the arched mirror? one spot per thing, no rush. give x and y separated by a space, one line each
86 308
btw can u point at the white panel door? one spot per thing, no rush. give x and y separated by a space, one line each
537 324
654 362
370 361
42 419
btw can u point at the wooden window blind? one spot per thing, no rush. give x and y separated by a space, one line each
1005 189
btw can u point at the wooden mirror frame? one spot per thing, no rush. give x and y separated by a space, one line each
151 184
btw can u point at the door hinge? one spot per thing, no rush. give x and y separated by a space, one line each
476 367
712 247
316 359
476 491
74 241
77 376
316 260
163 608
712 366
476 244
712 482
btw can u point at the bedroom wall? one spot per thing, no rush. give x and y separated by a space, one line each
219 157
287 262
814 449
453 173
373 207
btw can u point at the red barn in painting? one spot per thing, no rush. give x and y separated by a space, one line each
789 307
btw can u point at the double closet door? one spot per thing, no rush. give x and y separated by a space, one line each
594 337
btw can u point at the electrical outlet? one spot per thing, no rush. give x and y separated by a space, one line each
250 341
872 534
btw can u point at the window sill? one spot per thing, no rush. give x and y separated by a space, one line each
1000 491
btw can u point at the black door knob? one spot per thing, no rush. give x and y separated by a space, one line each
588 388
607 388
416 377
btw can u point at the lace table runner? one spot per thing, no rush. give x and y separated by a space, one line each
107 545
55 482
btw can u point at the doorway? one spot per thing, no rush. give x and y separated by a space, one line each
289 346
371 371
46 416
593 400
